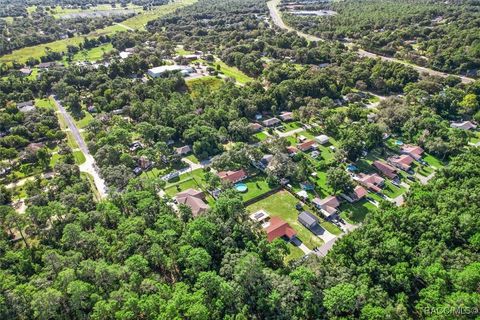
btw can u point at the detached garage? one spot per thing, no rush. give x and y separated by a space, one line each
308 220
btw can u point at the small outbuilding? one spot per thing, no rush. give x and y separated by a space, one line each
308 219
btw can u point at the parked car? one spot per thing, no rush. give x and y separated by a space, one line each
299 206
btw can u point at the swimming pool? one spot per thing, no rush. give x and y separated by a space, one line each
241 187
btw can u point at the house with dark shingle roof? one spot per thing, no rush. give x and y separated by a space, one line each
194 199
309 220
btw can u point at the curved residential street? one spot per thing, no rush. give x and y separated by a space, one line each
89 166
277 20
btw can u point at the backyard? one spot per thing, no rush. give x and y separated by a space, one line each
282 204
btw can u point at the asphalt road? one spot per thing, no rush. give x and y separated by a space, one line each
275 14
89 166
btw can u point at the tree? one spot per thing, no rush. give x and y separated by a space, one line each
340 299
339 180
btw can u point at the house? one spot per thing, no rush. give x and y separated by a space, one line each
465 125
372 182
162 70
26 106
271 122
35 146
25 71
135 146
144 163
327 206
233 176
183 150
263 163
302 194
256 127
301 138
258 116
194 199
385 169
308 220
279 228
403 162
286 116
125 54
292 150
307 145
413 151
47 65
322 139
357 194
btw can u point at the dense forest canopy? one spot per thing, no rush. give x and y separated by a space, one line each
136 253
438 34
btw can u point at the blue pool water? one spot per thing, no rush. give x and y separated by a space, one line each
241 187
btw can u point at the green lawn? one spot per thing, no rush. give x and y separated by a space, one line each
54 159
256 187
79 157
282 204
204 84
180 50
82 123
433 161
93 54
392 191
321 184
194 179
193 158
289 126
140 20
261 136
232 72
44 103
356 212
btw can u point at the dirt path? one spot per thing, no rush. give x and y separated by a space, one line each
89 166
277 20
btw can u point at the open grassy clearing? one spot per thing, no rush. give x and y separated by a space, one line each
140 20
232 72
203 85
94 54
58 11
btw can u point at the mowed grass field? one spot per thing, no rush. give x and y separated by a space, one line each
136 22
